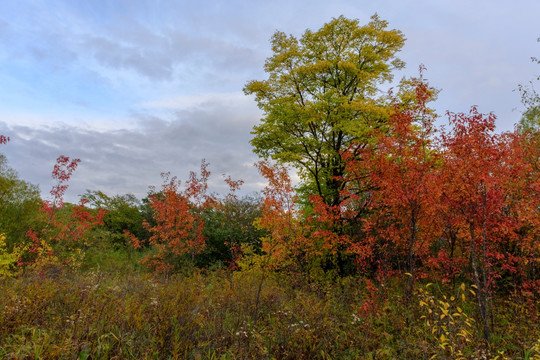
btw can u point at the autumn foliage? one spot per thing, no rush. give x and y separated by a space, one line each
178 224
402 169
63 230
459 204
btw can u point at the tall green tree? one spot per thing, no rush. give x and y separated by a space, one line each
321 95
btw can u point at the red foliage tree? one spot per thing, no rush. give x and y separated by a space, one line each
64 230
62 172
474 198
519 251
402 167
178 228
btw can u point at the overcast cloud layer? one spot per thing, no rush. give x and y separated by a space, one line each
136 88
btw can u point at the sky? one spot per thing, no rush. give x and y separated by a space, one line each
137 88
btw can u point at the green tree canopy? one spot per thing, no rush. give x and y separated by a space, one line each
124 212
229 225
321 95
19 204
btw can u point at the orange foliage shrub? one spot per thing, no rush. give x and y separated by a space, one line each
178 228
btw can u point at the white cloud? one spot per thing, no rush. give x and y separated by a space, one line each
129 160
236 99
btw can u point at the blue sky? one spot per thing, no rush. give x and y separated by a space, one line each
136 88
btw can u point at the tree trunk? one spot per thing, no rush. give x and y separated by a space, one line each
481 291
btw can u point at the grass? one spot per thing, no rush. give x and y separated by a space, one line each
119 312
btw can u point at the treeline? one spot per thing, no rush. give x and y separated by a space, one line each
176 226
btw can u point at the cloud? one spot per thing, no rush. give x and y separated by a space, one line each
146 61
236 99
121 48
162 56
129 160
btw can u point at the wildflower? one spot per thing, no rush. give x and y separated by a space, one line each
355 318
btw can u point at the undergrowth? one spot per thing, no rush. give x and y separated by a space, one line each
95 314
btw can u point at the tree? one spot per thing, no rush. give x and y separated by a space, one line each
179 224
64 228
321 95
403 168
520 266
531 116
19 203
530 119
229 226
284 240
474 198
124 213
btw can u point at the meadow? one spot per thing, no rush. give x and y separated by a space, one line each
113 309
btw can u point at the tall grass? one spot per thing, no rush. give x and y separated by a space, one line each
96 314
